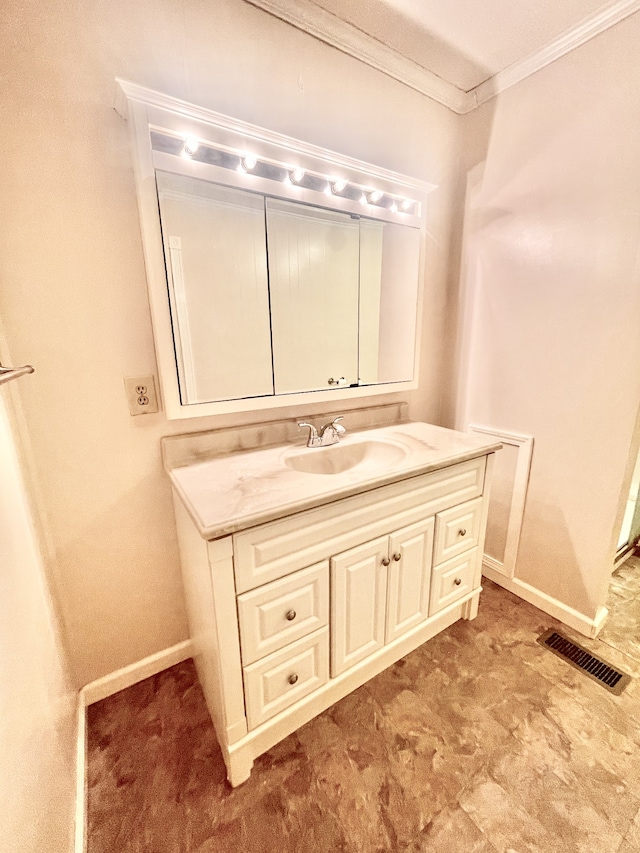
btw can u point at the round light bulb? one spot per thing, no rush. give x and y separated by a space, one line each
248 162
406 204
191 145
374 196
296 175
338 185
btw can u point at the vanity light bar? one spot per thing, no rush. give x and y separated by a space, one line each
244 162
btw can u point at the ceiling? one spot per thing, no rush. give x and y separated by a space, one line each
461 52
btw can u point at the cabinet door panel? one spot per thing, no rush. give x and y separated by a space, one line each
358 600
409 578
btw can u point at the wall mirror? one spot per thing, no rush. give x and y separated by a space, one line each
277 271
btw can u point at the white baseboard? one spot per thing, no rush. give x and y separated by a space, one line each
135 672
80 844
100 689
565 614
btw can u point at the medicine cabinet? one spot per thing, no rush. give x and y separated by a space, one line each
277 271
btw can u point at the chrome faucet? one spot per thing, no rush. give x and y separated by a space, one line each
329 433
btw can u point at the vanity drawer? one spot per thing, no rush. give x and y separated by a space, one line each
272 550
457 530
285 677
283 611
451 580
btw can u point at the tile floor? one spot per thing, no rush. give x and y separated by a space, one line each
481 741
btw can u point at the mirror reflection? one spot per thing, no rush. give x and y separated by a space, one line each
272 296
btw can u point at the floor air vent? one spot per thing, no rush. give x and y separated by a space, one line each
599 670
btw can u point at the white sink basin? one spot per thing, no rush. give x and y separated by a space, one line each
367 453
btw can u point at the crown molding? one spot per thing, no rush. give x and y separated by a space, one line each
328 28
566 42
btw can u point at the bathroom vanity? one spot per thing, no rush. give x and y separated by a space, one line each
309 570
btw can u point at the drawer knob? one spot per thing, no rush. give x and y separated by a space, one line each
462 531
385 561
291 615
292 678
458 581
397 557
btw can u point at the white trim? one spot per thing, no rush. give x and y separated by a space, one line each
524 443
80 835
326 27
329 29
566 42
565 614
135 672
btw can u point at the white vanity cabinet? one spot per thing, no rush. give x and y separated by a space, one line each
291 615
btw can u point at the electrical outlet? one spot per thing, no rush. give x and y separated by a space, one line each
141 395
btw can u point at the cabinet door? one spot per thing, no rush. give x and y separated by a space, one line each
358 601
410 551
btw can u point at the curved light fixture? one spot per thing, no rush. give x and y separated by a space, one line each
191 145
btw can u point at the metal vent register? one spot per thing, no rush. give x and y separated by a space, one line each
602 672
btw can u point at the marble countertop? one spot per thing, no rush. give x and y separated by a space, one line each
233 491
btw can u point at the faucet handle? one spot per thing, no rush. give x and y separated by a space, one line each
305 424
338 426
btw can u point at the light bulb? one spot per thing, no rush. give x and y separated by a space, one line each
296 175
191 145
338 186
374 196
394 207
248 162
406 204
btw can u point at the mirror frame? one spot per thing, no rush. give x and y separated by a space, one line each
147 112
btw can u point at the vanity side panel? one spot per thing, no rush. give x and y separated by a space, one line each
211 608
484 513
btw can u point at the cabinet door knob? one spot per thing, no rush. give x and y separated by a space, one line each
292 678
385 561
458 581
462 531
291 615
397 556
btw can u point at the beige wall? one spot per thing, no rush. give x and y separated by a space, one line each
37 705
552 253
73 294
